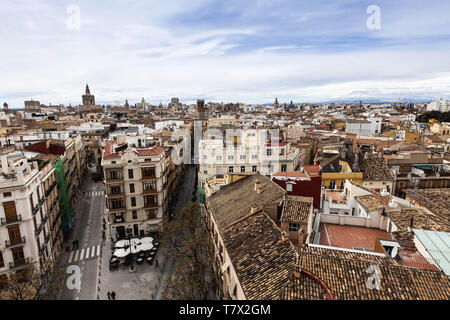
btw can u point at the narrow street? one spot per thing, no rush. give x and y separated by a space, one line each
83 261
146 282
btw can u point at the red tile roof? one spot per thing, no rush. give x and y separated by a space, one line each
150 152
312 170
297 174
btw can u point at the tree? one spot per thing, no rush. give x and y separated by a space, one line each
194 277
33 283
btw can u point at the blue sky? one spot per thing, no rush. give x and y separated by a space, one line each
234 50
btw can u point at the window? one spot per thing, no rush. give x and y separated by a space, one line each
130 174
230 169
7 194
2 263
148 186
242 168
116 204
219 158
148 172
132 188
293 227
269 152
283 167
254 168
289 187
151 214
134 213
242 157
114 175
254 156
115 190
332 184
205 157
230 157
133 201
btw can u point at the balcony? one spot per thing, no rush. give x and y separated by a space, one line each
117 209
151 205
50 189
35 209
5 222
116 195
19 263
15 243
150 191
38 230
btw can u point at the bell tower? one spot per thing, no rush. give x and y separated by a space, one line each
88 99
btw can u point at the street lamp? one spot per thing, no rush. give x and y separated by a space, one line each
131 254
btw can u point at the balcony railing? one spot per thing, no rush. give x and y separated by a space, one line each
35 209
116 209
38 230
151 205
50 189
6 222
15 243
19 263
150 191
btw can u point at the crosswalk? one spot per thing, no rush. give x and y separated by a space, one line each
93 194
84 254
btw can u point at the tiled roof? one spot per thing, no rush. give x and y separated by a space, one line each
420 220
347 277
234 201
150 152
374 201
374 167
312 170
295 174
436 200
262 261
295 211
109 151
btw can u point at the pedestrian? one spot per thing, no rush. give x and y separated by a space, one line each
73 244
78 244
156 263
109 295
67 248
113 295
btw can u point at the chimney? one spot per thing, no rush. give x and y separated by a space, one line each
253 209
284 236
258 187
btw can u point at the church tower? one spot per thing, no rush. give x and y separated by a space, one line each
88 99
276 103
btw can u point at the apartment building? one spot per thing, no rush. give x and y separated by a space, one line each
250 152
73 155
25 227
136 188
49 187
363 126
